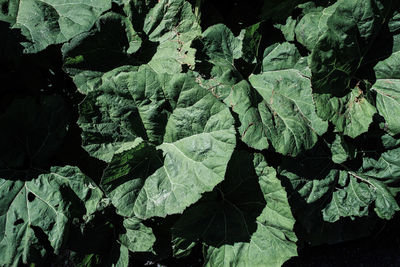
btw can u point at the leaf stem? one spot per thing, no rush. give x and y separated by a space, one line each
362 179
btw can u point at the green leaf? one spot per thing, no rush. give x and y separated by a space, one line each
161 38
289 112
387 167
136 11
51 22
344 193
42 208
280 57
126 174
198 141
339 52
123 260
172 24
385 203
138 237
387 87
351 114
313 25
341 150
222 48
251 38
260 225
247 103
352 200
220 45
311 175
288 29
389 142
219 49
120 110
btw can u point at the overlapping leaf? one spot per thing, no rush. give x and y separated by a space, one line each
44 206
197 142
162 39
227 84
291 122
163 104
345 193
51 21
387 87
313 25
335 59
246 221
173 25
126 105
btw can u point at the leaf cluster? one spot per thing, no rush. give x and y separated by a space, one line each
143 131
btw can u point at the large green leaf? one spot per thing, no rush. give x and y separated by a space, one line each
136 10
386 168
289 112
340 95
159 34
288 29
309 180
220 45
198 141
126 174
366 187
313 25
251 39
245 221
48 22
340 50
125 105
387 87
220 48
42 208
282 57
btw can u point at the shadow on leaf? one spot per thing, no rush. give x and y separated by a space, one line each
227 214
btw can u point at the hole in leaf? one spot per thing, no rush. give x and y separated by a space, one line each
185 68
51 226
31 197
19 221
